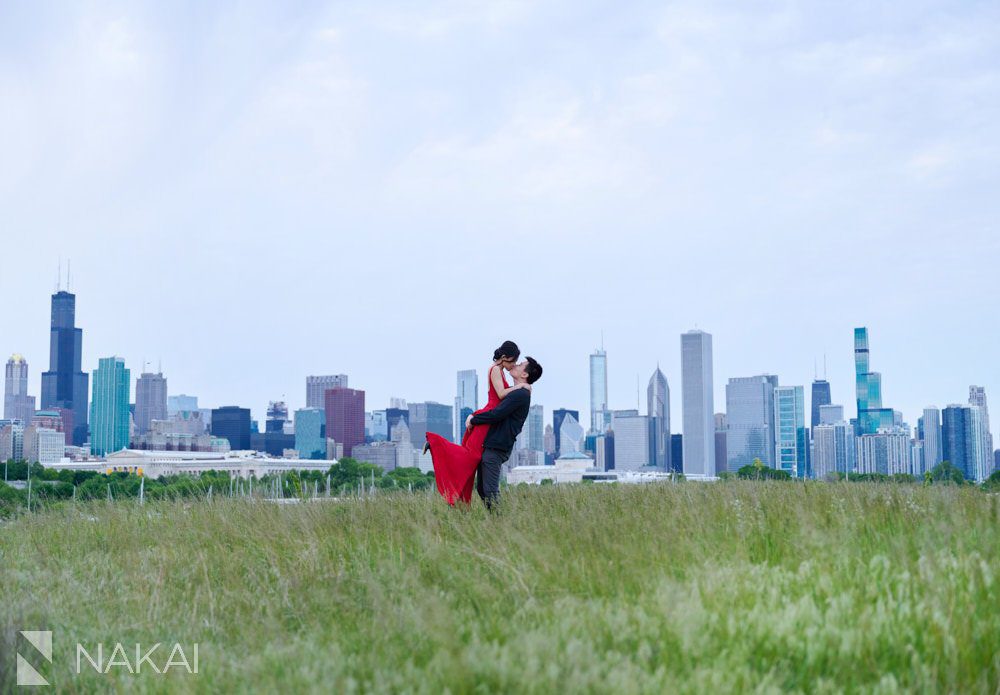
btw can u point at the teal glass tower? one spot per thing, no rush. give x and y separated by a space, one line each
109 407
791 438
871 415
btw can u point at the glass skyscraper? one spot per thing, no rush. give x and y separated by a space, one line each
791 439
750 421
466 400
871 415
658 408
310 433
109 408
558 415
964 440
65 384
820 397
598 391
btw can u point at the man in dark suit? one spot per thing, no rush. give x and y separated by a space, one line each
505 421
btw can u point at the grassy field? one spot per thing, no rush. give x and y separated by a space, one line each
699 588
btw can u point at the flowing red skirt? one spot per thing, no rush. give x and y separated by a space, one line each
455 464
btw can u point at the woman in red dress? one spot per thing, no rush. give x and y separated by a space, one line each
455 464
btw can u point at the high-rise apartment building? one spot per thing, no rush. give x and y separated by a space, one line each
964 440
833 449
930 430
109 408
750 421
65 384
887 452
791 438
697 404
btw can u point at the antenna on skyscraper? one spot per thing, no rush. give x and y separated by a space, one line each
59 275
602 340
637 397
69 275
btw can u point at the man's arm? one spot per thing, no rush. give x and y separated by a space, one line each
513 401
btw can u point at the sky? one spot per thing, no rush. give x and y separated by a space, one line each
253 192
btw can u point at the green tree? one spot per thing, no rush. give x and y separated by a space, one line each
947 472
992 484
758 471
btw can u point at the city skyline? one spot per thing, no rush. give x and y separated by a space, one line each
258 411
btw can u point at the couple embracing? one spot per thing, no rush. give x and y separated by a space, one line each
489 432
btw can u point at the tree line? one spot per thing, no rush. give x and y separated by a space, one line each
41 487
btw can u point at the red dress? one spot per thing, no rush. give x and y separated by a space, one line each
455 464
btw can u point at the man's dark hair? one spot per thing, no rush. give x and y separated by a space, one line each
533 370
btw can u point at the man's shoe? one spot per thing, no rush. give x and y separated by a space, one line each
427 447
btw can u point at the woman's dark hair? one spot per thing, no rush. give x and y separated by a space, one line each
509 349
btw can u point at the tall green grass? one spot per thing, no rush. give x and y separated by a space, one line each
728 587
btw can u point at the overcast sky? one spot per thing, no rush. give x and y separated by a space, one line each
389 190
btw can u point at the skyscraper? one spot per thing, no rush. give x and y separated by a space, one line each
871 415
310 433
750 421
887 452
345 417
820 397
697 404
931 437
532 437
834 449
65 384
658 408
977 396
181 404
558 416
791 438
150 401
830 414
317 386
570 435
466 400
721 446
598 391
109 409
17 404
634 443
963 440
232 423
430 417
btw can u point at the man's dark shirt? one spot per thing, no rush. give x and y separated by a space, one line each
506 420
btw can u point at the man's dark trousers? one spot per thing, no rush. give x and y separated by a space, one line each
488 475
